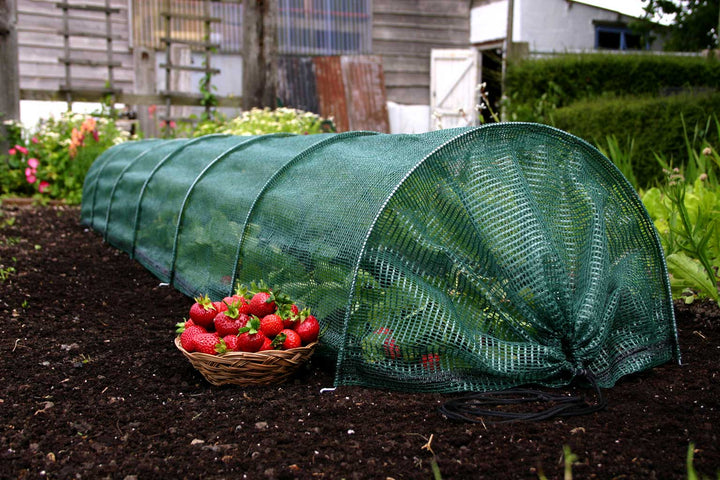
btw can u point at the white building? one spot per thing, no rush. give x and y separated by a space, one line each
539 27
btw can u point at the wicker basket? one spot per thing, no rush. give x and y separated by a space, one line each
244 368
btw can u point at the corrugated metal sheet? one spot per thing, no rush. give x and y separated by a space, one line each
296 83
331 91
365 92
350 89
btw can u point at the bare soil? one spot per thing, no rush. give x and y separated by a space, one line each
92 386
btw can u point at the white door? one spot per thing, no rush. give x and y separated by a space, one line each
453 88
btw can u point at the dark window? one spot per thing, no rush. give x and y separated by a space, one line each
617 38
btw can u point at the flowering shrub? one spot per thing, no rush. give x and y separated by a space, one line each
51 160
261 121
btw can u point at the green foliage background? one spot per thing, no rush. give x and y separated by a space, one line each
650 101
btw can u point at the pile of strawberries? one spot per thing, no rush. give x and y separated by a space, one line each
251 320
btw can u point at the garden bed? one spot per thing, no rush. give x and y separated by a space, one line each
92 386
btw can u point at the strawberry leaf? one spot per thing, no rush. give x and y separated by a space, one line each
278 340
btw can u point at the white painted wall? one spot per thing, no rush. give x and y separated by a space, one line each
558 25
408 118
489 22
546 25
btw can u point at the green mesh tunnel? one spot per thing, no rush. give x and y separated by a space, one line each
467 259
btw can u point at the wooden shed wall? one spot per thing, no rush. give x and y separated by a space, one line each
404 33
41 44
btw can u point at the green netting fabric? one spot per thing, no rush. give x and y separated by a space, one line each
457 260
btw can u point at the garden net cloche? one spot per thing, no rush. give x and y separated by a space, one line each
465 259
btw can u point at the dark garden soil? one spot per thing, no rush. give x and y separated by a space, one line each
92 386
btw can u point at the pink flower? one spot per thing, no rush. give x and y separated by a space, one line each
163 123
21 149
35 140
12 151
30 175
33 162
43 186
95 135
172 124
151 110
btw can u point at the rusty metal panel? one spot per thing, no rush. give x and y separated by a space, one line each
365 92
296 83
331 91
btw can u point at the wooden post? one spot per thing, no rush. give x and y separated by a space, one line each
9 76
506 55
260 53
146 83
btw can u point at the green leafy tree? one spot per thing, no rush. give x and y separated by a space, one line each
694 26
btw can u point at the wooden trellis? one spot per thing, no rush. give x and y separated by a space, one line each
207 47
69 60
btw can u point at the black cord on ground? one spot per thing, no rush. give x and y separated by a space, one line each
482 407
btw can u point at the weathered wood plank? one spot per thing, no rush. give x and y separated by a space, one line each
190 68
388 47
87 7
44 42
409 95
95 95
446 35
407 79
422 7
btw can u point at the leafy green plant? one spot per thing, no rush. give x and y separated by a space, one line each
6 272
621 157
685 215
692 474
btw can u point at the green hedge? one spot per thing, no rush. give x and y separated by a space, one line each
537 86
655 125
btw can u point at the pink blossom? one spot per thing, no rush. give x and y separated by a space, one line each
21 149
163 123
151 110
12 151
33 162
172 124
95 135
35 140
43 186
30 175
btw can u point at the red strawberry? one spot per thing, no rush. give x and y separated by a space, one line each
261 304
271 325
220 306
251 338
189 335
229 343
308 329
262 300
230 321
292 339
206 343
290 314
240 296
202 312
267 345
431 362
389 347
